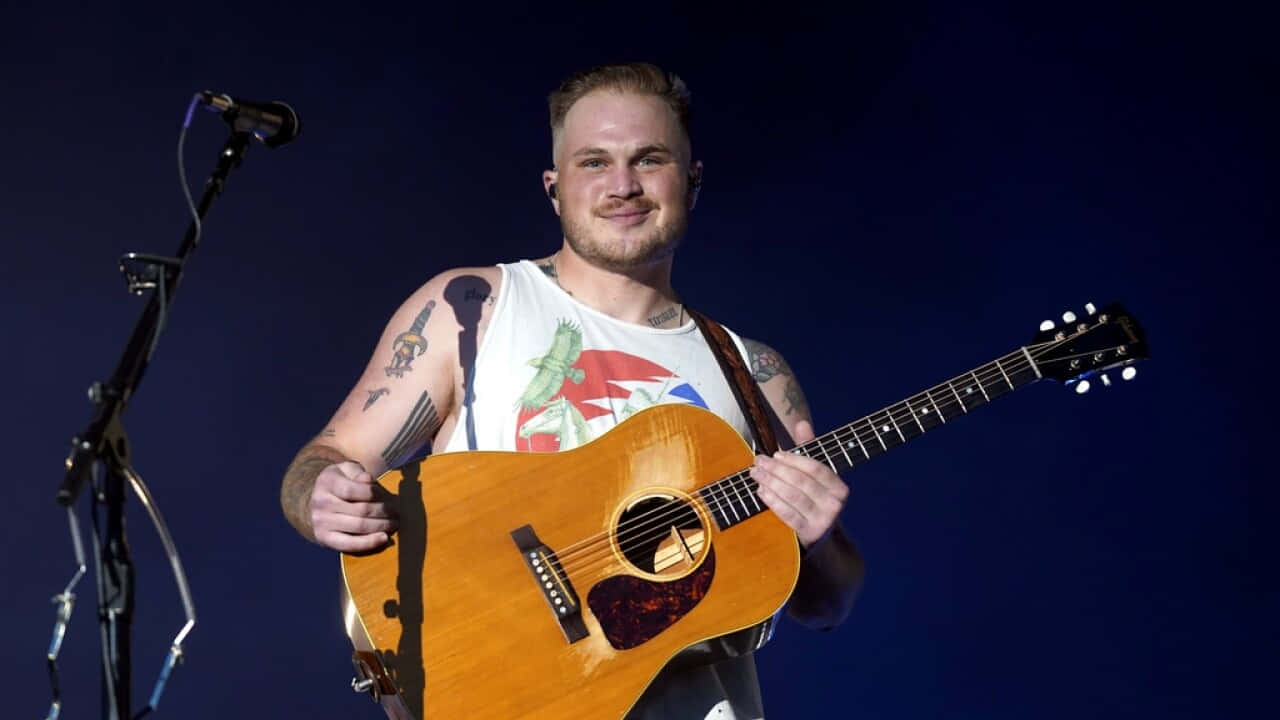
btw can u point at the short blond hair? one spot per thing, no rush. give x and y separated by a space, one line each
639 78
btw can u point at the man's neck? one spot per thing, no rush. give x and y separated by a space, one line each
642 296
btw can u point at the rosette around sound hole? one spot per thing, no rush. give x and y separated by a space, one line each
662 535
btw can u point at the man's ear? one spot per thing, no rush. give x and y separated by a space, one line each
695 183
549 187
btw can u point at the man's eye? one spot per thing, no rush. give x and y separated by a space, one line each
593 163
650 160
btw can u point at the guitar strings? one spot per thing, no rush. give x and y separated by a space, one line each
655 523
651 525
658 520
742 484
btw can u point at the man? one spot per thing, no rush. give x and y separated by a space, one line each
547 355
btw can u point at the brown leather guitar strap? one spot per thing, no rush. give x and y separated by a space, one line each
740 381
752 404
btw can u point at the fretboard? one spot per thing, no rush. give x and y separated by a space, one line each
733 499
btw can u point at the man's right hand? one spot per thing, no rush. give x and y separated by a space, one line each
348 511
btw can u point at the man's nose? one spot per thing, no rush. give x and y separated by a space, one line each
624 182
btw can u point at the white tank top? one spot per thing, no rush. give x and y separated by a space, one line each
551 374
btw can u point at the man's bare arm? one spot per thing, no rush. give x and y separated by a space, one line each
400 402
832 571
299 479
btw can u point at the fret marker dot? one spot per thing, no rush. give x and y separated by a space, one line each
925 411
968 391
884 428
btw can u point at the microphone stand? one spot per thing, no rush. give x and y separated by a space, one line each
104 444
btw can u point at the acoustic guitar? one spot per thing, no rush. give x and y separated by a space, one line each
558 585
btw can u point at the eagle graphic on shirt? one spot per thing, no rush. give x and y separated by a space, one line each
604 387
555 367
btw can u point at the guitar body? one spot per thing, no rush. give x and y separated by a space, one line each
463 622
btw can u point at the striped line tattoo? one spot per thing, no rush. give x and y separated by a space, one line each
421 422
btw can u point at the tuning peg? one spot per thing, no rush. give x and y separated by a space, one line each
1082 387
1046 326
1106 381
1129 372
1089 308
1068 317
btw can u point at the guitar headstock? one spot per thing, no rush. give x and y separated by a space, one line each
1089 345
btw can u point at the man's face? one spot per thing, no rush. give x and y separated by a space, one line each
623 179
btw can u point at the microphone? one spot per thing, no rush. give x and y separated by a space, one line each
273 123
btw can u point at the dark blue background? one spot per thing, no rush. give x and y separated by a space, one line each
894 194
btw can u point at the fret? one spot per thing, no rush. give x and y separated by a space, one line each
755 500
958 398
1005 374
901 437
984 390
828 457
972 399
915 417
743 491
840 445
858 440
717 512
734 509
926 414
935 405
877 434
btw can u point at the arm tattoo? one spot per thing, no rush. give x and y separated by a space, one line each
765 361
795 399
423 420
767 364
373 397
409 344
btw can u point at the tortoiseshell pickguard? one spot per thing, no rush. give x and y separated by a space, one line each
632 610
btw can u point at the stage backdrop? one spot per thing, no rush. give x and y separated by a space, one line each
893 194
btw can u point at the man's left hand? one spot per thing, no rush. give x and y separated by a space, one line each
805 493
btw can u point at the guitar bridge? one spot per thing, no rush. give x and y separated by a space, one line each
552 582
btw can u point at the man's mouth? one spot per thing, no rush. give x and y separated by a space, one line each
627 217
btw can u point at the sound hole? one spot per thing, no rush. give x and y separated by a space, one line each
662 536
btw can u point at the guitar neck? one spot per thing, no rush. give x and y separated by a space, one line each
733 499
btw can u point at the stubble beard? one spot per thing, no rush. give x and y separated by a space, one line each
616 256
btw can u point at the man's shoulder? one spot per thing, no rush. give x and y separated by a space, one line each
460 283
467 275
757 349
